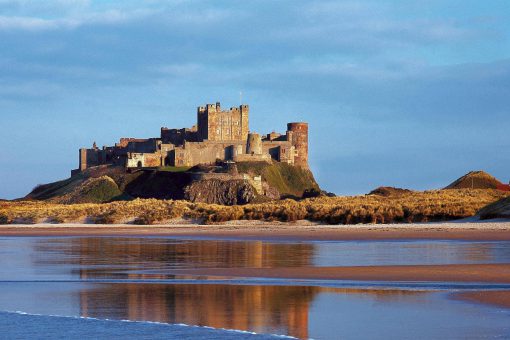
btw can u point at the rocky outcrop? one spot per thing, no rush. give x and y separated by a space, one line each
270 192
217 191
210 184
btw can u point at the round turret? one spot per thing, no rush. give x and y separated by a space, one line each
254 144
299 139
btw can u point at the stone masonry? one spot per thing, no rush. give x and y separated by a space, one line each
219 135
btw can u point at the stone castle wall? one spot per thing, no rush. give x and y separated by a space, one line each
215 124
208 152
219 135
143 160
299 140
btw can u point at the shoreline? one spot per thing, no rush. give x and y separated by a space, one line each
460 273
497 298
302 231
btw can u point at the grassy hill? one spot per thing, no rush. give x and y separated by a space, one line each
106 184
55 189
92 190
389 191
290 181
475 180
100 185
499 209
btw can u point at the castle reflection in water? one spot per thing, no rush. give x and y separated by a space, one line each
262 309
258 308
140 265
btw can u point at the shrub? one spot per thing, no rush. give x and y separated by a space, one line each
408 207
146 219
105 218
56 220
4 219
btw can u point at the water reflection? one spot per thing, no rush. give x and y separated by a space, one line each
152 258
108 257
300 311
262 309
170 253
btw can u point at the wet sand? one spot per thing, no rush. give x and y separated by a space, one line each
473 231
499 298
475 273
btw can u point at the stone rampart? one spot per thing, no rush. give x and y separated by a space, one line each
220 135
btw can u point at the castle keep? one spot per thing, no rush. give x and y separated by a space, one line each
219 135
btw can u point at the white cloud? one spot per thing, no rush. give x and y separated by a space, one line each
70 21
27 23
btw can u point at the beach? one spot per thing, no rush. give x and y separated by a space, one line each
448 279
302 230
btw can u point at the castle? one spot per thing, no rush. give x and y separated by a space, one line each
219 135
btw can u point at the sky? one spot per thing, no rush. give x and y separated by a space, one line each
410 94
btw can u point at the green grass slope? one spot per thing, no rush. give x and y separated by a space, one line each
288 179
105 184
93 190
95 185
55 189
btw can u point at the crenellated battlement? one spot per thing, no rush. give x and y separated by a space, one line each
215 124
219 135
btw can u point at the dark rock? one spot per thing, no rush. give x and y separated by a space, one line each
216 191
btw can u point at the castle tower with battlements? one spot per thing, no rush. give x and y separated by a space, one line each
219 135
215 124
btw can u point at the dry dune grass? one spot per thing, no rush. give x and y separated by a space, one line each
499 209
406 207
476 180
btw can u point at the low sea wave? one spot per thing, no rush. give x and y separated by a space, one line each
15 324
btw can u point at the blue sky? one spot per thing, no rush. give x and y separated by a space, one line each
401 93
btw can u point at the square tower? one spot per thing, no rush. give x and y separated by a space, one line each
214 124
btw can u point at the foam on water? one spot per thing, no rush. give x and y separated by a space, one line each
14 325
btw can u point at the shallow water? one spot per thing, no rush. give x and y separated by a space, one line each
23 325
62 258
97 281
